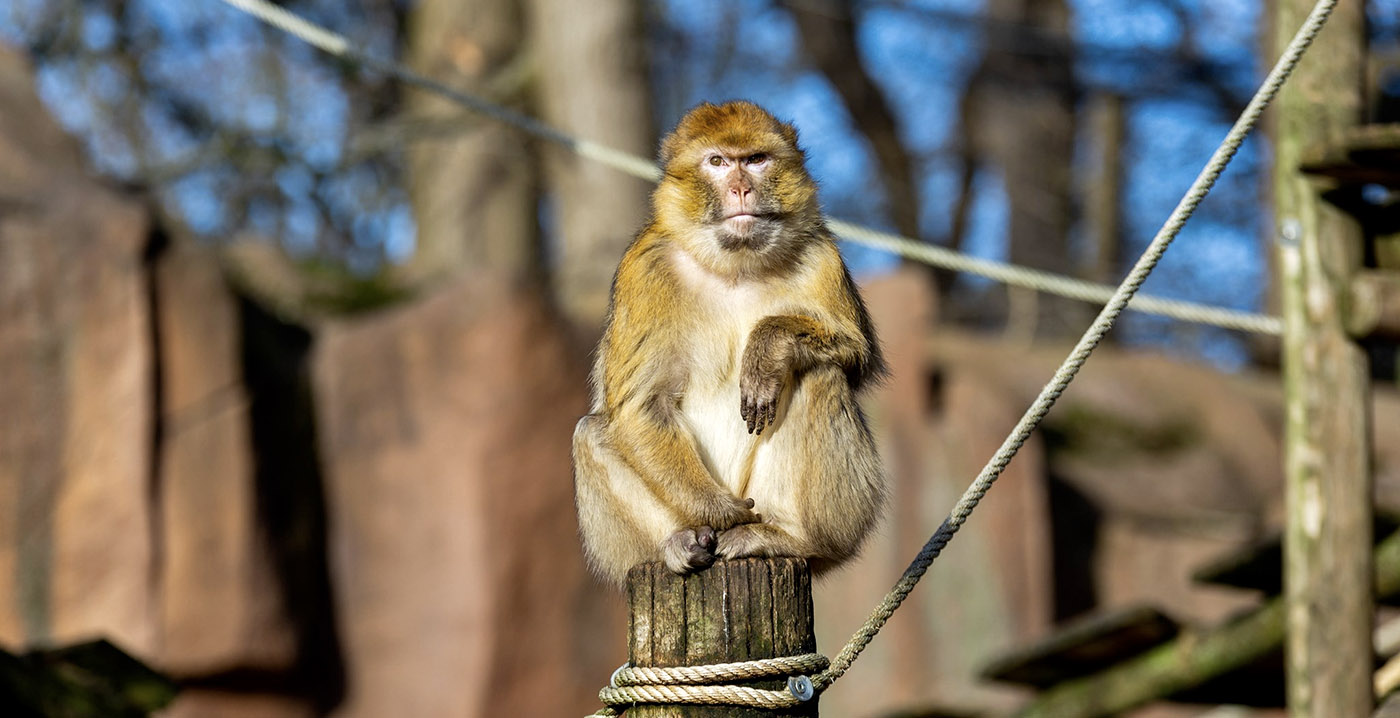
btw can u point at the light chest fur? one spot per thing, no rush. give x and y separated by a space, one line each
725 313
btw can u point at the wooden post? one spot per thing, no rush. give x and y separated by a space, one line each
1328 478
733 611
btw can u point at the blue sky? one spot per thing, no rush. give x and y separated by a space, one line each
921 52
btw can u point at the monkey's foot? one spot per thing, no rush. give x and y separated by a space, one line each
757 540
689 549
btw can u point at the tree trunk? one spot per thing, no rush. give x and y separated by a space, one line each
473 193
1105 194
592 83
828 33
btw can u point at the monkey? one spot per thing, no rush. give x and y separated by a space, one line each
724 420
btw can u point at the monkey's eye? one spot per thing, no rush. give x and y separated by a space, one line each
716 160
757 158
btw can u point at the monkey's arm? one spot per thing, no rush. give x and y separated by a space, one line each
654 443
798 342
644 371
781 346
785 345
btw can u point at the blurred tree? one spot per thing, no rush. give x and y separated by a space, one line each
592 83
473 192
447 420
1103 197
828 31
1034 158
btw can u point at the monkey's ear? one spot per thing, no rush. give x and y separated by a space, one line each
671 146
789 134
668 149
684 132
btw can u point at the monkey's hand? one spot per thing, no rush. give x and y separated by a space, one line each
763 373
726 510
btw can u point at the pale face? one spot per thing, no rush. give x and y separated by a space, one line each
746 217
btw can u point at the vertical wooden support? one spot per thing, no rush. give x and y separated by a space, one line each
733 611
1108 123
1328 539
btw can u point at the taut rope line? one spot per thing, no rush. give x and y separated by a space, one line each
643 168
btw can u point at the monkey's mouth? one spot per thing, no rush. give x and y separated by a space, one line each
741 224
745 231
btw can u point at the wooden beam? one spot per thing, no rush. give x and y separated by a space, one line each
1084 647
1196 657
733 611
1326 380
1373 308
1368 154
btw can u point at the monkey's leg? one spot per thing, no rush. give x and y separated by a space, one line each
655 442
817 480
621 520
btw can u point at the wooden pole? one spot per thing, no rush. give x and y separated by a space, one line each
1327 472
733 611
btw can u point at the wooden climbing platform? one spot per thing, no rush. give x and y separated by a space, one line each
1368 154
1259 566
1098 642
1084 647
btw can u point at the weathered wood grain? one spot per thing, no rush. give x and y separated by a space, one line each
733 611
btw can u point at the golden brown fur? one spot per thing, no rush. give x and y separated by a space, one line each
724 420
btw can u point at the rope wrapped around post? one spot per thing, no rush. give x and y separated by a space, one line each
736 639
707 685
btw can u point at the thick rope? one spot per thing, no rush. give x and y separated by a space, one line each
696 685
1051 283
1071 365
642 168
719 672
1118 301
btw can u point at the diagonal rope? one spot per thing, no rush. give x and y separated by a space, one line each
645 169
1071 365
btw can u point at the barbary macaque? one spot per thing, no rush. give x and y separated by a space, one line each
724 420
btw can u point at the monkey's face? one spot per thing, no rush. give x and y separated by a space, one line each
742 210
736 191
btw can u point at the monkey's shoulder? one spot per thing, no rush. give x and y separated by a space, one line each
644 261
